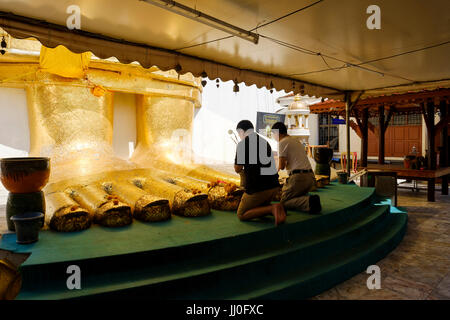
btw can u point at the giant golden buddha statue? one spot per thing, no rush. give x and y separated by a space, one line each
70 111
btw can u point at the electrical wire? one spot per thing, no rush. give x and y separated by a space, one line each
257 27
286 15
375 60
345 65
203 43
310 52
329 67
407 52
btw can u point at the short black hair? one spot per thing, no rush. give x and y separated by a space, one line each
280 127
244 125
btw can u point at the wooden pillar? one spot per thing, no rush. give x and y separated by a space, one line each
443 157
329 124
365 137
431 135
381 133
347 127
429 119
431 189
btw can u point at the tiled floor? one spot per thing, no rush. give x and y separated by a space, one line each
418 269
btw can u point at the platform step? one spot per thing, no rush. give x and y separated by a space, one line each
248 281
148 246
319 277
207 263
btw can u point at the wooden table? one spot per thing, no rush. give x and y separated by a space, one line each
426 175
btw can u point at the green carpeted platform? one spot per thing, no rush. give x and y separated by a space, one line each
217 257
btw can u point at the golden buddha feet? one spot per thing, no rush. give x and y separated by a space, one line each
183 201
64 214
103 208
145 207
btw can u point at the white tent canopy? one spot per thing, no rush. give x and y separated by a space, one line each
322 50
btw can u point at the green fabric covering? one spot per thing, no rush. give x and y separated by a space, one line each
218 256
100 241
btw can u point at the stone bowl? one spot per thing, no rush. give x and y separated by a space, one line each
25 175
27 226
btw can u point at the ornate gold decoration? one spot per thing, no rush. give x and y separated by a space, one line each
10 280
71 121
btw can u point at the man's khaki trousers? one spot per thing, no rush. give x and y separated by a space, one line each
294 194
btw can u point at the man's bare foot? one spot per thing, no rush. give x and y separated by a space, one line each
278 213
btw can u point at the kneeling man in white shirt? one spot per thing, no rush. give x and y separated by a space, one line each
292 157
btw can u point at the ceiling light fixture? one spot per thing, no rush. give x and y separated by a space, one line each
204 76
201 17
236 87
271 87
3 46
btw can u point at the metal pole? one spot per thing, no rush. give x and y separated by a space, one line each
443 157
347 127
431 138
381 133
365 134
329 124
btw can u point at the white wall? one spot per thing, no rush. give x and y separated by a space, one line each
124 126
355 141
14 130
221 110
313 120
425 134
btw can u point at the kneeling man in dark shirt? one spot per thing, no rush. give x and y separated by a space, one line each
254 157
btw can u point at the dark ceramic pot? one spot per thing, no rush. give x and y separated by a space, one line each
27 226
323 169
342 177
18 203
323 155
25 175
